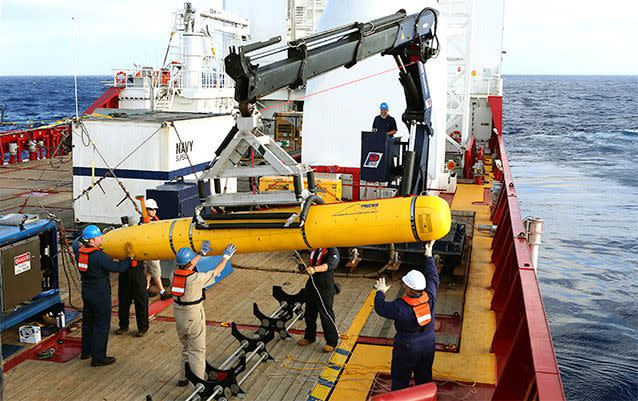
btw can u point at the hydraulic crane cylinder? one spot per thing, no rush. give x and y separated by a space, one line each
379 221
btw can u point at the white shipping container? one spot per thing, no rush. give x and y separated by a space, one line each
144 150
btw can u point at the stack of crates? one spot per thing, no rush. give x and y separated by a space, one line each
288 129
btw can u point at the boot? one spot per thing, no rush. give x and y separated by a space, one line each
328 348
304 341
109 360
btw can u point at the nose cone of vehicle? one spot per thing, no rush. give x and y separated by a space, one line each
432 218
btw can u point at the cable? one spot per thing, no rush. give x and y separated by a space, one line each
127 194
65 252
333 87
312 280
435 39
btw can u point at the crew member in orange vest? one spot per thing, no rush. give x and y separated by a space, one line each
188 294
95 266
152 267
413 315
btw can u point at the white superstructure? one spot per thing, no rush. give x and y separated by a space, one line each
138 152
168 123
333 120
193 77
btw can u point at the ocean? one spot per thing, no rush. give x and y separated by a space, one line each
572 141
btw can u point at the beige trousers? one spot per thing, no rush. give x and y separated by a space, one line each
191 330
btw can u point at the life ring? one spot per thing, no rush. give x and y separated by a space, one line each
120 78
456 136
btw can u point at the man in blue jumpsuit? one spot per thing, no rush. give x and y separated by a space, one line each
413 315
384 122
95 266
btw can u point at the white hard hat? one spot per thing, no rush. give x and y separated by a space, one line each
415 280
151 204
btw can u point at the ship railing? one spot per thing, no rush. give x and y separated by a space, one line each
210 80
487 85
217 80
526 361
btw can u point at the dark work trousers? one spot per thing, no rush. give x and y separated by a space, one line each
96 322
132 288
413 353
314 308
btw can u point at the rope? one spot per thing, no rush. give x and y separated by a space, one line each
323 305
66 252
89 188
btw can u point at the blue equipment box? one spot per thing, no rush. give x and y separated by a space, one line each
175 199
30 282
378 150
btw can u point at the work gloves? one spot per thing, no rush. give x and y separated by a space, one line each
229 251
428 247
309 270
205 247
380 285
129 250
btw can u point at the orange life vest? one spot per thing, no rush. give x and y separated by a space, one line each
421 308
316 256
179 281
154 218
83 257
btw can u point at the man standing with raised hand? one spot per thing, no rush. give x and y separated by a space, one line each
188 293
413 315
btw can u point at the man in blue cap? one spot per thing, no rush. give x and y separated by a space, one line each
188 294
413 315
95 266
384 122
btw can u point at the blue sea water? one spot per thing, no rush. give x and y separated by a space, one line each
572 144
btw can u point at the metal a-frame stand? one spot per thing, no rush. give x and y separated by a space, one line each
278 163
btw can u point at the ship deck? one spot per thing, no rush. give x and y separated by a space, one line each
149 365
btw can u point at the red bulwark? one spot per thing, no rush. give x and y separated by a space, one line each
496 104
423 392
526 360
108 100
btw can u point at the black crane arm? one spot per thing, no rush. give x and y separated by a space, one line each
410 39
401 35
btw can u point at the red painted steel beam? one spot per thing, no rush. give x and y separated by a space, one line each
496 105
354 171
107 100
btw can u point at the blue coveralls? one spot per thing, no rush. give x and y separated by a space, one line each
96 297
413 350
384 124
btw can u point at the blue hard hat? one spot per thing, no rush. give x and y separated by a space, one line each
384 106
91 232
184 255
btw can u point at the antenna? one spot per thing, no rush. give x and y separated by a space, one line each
75 65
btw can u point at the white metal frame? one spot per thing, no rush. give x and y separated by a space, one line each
457 15
279 163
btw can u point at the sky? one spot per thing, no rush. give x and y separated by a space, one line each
540 37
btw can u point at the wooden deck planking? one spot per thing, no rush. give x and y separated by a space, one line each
292 381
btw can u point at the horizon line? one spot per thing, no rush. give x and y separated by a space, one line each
503 75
